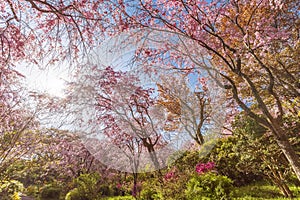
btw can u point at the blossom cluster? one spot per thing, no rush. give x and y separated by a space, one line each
204 167
169 175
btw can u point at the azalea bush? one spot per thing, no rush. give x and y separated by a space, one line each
209 186
204 167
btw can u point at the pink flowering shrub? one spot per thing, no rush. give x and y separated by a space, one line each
204 167
169 175
119 185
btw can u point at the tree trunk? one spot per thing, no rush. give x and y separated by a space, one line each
135 189
284 188
151 151
199 137
287 190
278 180
288 151
284 185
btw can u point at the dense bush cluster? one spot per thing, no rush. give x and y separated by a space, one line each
246 165
209 186
10 190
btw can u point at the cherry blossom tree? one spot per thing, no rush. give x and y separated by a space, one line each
191 108
126 114
40 33
252 45
37 31
17 137
66 153
18 124
126 133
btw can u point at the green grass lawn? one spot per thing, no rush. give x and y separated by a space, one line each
261 191
120 198
257 191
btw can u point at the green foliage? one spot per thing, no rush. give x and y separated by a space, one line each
50 192
13 171
32 191
32 172
163 187
292 179
151 190
227 159
252 153
87 188
187 161
209 186
178 184
15 196
87 185
9 190
245 125
184 167
106 190
74 195
259 153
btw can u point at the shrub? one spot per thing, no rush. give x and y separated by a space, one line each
226 160
10 190
151 194
50 191
73 195
151 191
106 190
204 167
87 188
209 186
32 190
174 181
15 196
